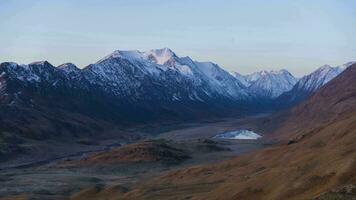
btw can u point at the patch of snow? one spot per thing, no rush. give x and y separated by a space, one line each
254 76
184 69
238 135
69 68
38 63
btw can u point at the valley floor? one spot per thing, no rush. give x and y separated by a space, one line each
59 178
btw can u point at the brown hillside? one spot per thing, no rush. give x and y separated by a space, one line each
146 151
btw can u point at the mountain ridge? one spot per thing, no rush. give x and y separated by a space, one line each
310 83
131 74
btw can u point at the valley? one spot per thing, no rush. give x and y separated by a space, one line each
177 100
314 159
59 178
153 125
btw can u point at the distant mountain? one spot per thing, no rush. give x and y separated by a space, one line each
155 84
127 86
267 84
271 84
41 102
311 83
150 73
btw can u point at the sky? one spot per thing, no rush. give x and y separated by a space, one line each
239 35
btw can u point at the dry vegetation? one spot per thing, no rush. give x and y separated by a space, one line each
146 151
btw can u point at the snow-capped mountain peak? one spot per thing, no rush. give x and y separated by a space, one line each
319 77
346 65
157 56
160 56
161 65
271 84
38 63
254 76
69 68
161 78
267 84
130 55
282 71
324 69
257 75
312 82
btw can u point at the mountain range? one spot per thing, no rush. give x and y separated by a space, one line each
58 115
150 84
129 77
40 101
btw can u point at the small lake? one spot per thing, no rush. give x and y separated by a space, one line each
238 135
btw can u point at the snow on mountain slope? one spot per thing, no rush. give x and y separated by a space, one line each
250 78
221 81
161 76
312 82
155 74
270 84
126 70
69 68
23 81
159 56
33 72
342 67
127 85
320 77
241 78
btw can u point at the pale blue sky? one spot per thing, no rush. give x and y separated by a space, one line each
243 36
